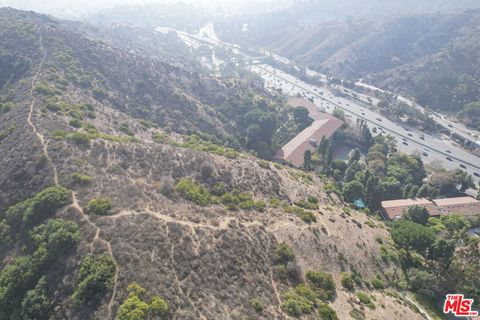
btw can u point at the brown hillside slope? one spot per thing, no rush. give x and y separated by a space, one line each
207 262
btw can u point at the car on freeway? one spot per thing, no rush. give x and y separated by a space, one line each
448 151
378 119
476 174
405 143
425 154
449 159
363 113
463 166
410 135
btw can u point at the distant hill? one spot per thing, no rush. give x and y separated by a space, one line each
433 58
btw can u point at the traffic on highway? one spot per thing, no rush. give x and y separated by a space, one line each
430 148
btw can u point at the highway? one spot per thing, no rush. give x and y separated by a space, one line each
430 148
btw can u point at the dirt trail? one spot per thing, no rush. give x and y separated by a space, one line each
96 238
30 113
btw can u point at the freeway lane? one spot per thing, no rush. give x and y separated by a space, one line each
435 148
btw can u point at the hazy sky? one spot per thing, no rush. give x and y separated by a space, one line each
69 7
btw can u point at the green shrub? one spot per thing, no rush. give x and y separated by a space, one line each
55 235
219 189
312 199
326 312
158 307
36 304
43 205
124 127
363 297
308 217
296 305
75 123
136 308
264 164
347 280
257 305
305 291
323 283
48 242
378 283
370 224
283 254
275 202
44 88
81 179
99 206
307 205
94 279
6 106
193 191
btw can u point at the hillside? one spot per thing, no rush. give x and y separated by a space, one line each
126 192
70 118
430 57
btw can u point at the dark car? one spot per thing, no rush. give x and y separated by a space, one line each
425 154
463 166
405 143
449 159
410 135
448 151
476 174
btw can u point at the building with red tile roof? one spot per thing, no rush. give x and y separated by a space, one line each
393 209
324 125
464 206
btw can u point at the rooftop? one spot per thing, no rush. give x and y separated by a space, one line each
466 206
405 202
455 201
324 125
293 152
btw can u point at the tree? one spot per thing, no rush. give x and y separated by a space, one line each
393 188
36 304
307 160
425 191
417 214
455 223
339 114
323 146
354 156
94 279
301 116
136 308
353 190
373 193
412 236
424 282
443 252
